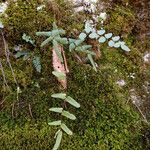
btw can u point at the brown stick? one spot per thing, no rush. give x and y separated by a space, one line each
12 111
3 73
7 57
65 61
2 102
30 111
141 112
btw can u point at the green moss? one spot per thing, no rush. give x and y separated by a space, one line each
30 137
24 18
121 21
103 122
23 73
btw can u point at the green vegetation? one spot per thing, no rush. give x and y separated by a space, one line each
103 121
106 120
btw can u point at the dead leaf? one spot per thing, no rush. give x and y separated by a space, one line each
59 66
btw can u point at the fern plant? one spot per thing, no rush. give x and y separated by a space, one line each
54 36
62 126
26 54
102 36
60 64
78 45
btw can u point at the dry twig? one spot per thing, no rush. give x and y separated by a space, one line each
3 73
7 57
30 111
12 110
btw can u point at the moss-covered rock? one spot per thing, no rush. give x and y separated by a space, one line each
105 120
23 17
121 20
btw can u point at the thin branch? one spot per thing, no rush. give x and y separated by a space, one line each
65 61
78 58
7 57
140 112
3 73
12 111
30 111
7 52
1 103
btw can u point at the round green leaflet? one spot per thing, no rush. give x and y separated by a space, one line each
117 45
82 36
102 39
108 35
111 43
71 47
88 27
116 38
101 32
125 48
94 35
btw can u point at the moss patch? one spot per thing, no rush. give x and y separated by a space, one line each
105 120
121 20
